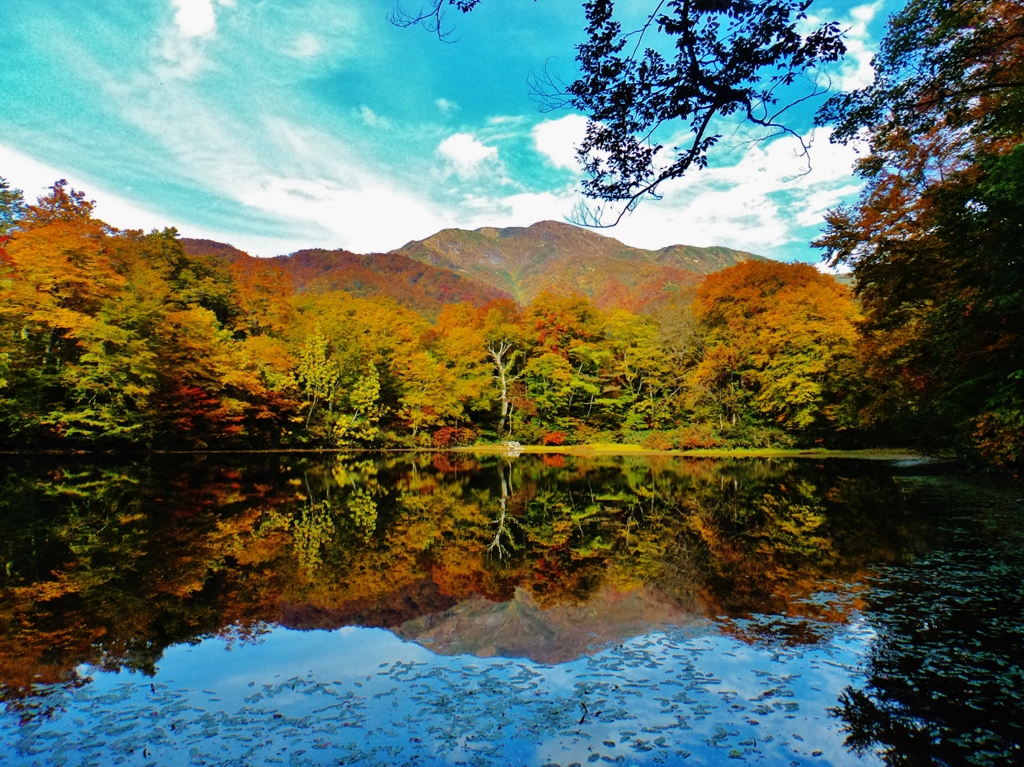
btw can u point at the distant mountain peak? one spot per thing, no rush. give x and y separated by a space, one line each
489 263
553 255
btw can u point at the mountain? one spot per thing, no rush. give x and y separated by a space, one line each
520 628
420 286
523 261
487 264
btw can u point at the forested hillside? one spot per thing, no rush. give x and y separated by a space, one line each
526 261
118 338
121 339
419 286
488 264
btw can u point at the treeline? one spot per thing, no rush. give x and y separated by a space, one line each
115 339
119 338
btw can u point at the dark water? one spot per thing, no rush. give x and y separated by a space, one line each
449 609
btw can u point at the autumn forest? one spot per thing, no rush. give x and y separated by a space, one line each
117 338
122 338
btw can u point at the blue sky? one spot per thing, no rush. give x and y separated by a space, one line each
282 124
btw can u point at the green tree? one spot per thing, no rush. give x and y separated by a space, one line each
360 414
317 372
643 382
12 208
935 238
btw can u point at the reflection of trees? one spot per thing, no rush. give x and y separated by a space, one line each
497 547
944 672
110 566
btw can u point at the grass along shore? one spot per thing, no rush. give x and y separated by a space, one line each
611 448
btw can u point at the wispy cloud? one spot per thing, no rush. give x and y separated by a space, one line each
857 71
759 204
306 46
279 125
557 140
372 119
120 210
446 106
466 154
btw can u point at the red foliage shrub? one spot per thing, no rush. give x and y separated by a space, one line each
553 438
453 436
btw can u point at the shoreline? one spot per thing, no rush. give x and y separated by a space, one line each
591 450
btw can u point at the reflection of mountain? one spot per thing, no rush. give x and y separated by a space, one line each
113 563
521 629
405 605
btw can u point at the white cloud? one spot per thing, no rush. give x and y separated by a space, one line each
245 153
446 106
857 71
306 46
466 154
505 120
34 178
181 58
180 49
521 209
372 119
557 140
756 205
816 203
824 268
194 18
352 216
360 214
248 138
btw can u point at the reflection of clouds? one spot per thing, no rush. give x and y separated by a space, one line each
362 695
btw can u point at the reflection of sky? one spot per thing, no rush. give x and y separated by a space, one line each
363 696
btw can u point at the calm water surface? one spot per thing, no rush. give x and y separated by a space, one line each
449 609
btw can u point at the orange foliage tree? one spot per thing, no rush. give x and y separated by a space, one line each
779 347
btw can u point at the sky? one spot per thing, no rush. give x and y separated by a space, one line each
277 125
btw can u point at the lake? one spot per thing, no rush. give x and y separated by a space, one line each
443 609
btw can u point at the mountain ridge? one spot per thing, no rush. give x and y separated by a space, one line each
421 287
491 263
524 261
